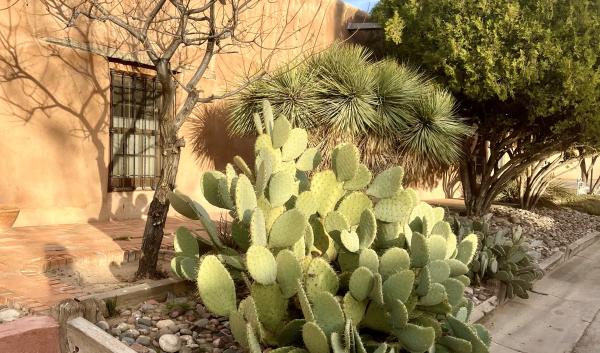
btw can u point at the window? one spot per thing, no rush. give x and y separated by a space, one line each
134 132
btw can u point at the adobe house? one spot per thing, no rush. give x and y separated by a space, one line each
78 112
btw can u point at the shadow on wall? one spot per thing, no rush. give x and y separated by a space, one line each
210 139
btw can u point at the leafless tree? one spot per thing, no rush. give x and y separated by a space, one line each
536 178
172 34
587 169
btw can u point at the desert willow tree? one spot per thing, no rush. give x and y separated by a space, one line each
178 37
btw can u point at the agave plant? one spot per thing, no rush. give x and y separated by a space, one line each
393 113
334 260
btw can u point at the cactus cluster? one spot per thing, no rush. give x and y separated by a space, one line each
334 260
504 255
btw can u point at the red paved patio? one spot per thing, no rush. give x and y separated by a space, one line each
26 253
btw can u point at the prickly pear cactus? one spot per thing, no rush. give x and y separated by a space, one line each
334 260
504 255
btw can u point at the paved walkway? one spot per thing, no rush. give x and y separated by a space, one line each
26 253
564 319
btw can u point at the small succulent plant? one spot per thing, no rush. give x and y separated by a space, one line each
504 255
334 260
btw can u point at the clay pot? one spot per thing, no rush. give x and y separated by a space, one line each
8 216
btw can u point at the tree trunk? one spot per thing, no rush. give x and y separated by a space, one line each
159 207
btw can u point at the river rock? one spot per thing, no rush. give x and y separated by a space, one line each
7 315
169 343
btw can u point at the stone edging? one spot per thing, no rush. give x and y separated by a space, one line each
548 264
135 294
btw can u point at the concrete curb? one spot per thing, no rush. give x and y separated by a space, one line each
548 264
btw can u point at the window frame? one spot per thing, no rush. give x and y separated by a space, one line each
132 182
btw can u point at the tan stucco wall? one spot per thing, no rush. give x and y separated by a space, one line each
54 112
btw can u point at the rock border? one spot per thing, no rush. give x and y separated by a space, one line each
547 265
106 343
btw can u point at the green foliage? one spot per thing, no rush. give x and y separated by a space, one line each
391 111
330 273
526 73
504 255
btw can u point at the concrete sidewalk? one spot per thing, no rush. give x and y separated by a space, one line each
565 318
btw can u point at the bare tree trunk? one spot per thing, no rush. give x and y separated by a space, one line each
538 177
157 213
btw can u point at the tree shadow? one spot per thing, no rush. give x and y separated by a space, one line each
210 140
33 88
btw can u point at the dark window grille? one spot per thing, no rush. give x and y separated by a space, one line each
134 132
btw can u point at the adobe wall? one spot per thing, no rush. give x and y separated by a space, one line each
54 110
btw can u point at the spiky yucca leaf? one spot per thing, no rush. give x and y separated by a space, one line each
434 134
292 92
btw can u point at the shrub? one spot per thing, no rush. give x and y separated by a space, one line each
393 113
334 260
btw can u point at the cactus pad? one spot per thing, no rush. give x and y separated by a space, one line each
436 244
416 339
361 283
261 264
304 303
360 180
399 314
455 344
185 243
392 261
309 160
435 295
353 309
295 144
306 203
398 286
457 268
210 187
455 290
461 330
387 183
353 205
439 271
319 276
369 259
281 187
245 198
335 221
216 287
467 248
314 338
327 190
345 160
238 327
350 240
395 209
258 230
288 273
419 255
328 313
367 229
270 305
281 131
287 229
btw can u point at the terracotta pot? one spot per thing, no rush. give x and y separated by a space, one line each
8 216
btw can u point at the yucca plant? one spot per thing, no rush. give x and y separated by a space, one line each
393 113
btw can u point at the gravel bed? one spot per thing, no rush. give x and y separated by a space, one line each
478 294
549 229
177 325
